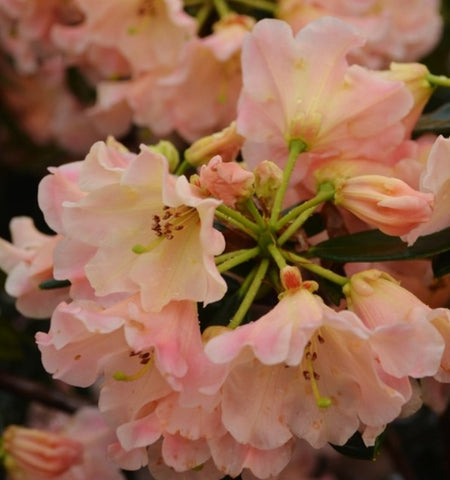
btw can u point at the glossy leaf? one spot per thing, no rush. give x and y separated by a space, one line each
355 448
373 245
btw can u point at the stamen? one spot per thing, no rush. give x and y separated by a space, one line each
164 226
146 361
312 376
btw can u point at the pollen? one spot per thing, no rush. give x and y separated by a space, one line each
166 224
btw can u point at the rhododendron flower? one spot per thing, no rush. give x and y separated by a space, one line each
28 261
209 79
387 203
148 231
400 30
409 337
311 371
435 179
64 447
39 454
283 98
149 34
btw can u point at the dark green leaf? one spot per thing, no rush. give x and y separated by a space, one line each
355 448
373 245
436 122
52 284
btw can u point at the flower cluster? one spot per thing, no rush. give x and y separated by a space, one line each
81 70
198 297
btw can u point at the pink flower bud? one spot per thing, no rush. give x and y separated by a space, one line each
386 203
227 181
414 76
31 453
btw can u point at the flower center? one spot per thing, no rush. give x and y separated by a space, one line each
165 225
146 359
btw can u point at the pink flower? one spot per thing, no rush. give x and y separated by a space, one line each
209 79
33 454
138 228
228 181
409 337
28 261
149 34
74 445
309 369
49 112
385 202
395 30
282 99
435 179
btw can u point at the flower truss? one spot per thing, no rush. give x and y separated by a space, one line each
199 294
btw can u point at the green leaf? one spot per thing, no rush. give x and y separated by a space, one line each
436 122
52 284
373 246
355 448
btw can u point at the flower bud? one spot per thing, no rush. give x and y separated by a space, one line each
268 178
225 143
31 453
166 148
384 202
414 76
227 181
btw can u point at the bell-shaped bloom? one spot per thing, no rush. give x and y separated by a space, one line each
385 202
397 30
435 179
302 88
139 228
28 261
408 336
305 370
34 454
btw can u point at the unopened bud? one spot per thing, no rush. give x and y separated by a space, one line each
268 178
166 148
227 181
384 202
225 143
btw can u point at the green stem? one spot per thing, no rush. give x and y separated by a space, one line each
438 80
237 219
277 256
201 17
242 257
265 5
325 192
222 8
313 267
299 221
296 147
182 167
250 295
253 210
